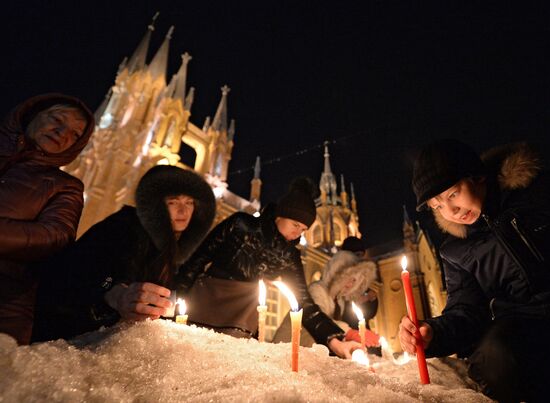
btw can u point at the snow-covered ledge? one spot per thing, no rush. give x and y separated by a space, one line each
160 360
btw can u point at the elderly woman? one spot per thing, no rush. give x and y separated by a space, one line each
40 205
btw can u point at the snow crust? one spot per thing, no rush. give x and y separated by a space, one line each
160 360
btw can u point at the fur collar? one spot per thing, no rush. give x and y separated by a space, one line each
514 166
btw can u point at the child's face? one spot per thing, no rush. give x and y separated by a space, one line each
461 203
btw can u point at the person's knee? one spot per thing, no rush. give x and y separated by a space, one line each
494 366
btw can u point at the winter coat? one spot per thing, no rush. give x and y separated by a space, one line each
328 292
40 206
245 248
498 267
128 246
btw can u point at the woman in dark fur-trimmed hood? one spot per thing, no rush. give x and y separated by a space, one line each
123 266
40 205
496 210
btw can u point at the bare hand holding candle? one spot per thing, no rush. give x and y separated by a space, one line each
262 310
181 317
362 324
296 321
411 310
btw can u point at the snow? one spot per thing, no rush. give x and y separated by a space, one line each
160 360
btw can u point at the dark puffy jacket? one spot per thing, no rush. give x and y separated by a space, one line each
499 266
40 206
129 246
245 248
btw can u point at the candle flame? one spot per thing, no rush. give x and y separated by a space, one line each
357 311
404 263
360 357
403 359
263 292
383 343
288 294
182 306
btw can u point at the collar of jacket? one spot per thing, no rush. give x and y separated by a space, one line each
510 167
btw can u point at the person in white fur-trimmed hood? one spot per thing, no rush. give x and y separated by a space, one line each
346 278
496 259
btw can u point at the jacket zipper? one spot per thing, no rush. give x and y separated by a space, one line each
508 250
523 237
491 308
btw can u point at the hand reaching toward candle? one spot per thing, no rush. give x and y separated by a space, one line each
138 301
407 331
371 338
343 349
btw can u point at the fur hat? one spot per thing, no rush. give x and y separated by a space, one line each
163 181
440 165
298 203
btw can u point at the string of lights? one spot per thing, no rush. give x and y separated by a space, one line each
281 158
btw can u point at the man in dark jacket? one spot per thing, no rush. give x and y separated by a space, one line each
123 267
496 261
40 205
225 269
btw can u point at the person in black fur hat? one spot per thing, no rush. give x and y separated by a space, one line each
221 279
123 267
496 212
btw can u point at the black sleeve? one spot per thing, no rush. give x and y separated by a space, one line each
464 318
208 251
76 280
317 323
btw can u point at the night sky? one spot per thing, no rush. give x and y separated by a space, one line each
377 79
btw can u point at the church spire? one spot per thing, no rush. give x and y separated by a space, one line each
189 99
353 200
328 181
231 130
220 118
343 194
256 183
158 65
206 124
181 78
137 60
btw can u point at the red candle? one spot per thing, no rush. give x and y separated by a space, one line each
411 310
295 321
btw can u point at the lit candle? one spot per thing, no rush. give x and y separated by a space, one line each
362 325
181 317
411 310
295 320
386 350
262 309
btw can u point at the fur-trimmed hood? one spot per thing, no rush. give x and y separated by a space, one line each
343 266
160 182
513 166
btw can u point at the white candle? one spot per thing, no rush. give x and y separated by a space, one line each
262 310
181 317
362 324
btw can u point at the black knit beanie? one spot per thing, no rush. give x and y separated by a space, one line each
440 165
353 244
298 203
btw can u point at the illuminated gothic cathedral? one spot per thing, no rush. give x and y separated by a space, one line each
145 119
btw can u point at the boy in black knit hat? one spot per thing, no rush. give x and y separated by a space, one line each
220 280
496 262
